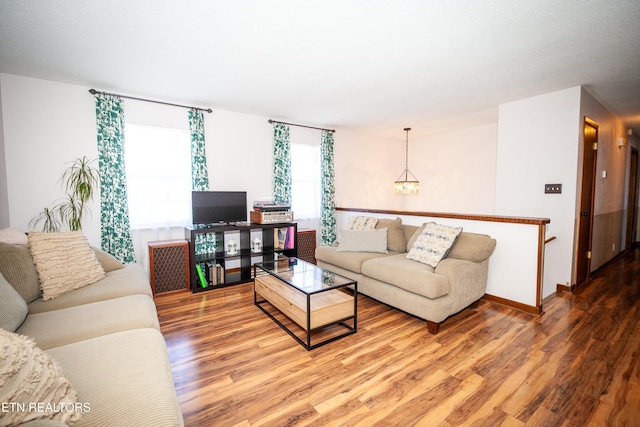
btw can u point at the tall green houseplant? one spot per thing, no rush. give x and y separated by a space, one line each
80 181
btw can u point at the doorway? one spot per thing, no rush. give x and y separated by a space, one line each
585 218
632 201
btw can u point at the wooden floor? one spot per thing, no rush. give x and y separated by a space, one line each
576 365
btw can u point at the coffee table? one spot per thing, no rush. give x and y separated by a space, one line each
319 301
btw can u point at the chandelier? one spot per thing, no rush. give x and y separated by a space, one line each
410 184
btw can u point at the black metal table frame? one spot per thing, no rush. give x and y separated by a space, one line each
307 345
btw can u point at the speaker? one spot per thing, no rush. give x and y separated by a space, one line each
307 245
169 265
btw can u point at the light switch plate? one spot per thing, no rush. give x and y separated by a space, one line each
552 188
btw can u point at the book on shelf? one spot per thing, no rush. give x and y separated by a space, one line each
278 238
290 239
216 272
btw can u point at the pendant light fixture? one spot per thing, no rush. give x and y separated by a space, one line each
406 185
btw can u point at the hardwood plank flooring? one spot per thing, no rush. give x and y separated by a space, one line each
576 365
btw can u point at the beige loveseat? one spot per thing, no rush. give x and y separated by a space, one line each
112 362
458 281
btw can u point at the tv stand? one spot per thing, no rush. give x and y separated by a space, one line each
253 243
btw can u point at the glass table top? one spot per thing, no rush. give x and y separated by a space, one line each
307 277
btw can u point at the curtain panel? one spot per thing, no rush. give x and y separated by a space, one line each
281 163
204 242
115 232
328 225
199 171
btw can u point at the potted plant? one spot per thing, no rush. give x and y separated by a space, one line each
79 181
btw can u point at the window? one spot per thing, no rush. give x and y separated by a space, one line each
158 167
306 183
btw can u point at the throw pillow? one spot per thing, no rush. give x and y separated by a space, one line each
361 223
13 236
64 261
107 261
13 309
363 241
32 381
434 243
414 236
395 235
16 265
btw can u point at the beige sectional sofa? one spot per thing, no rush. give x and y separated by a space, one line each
100 343
457 281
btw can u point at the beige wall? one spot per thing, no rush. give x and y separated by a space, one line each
610 199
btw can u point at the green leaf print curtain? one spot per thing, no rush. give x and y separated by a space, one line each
205 243
281 163
114 209
199 173
328 226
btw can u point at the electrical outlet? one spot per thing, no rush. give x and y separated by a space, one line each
552 188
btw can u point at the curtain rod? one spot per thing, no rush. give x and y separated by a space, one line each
97 92
302 126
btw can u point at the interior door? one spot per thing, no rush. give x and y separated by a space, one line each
632 201
585 218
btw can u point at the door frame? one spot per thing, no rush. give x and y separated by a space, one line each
632 200
585 203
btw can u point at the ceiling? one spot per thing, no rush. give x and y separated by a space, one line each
375 66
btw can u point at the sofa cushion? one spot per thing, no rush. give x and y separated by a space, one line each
395 234
64 262
30 377
13 309
13 236
130 280
363 241
473 247
125 377
434 243
351 261
409 275
16 265
361 223
91 320
107 261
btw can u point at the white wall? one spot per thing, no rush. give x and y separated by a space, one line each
48 124
538 141
456 171
365 169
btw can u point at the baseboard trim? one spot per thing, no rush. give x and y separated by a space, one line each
531 309
565 288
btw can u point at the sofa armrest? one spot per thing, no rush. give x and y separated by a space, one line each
467 280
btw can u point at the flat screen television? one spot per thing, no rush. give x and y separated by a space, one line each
213 207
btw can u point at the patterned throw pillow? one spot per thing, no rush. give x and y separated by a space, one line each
434 243
361 223
33 383
64 261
